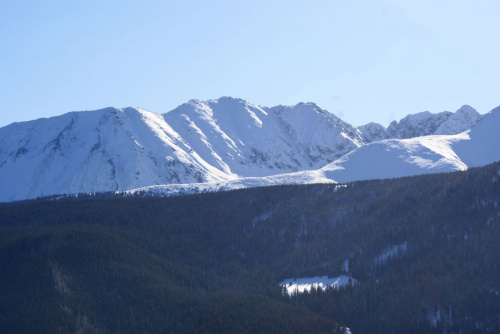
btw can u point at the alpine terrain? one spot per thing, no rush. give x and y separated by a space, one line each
229 143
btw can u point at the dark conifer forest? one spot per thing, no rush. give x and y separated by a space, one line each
212 263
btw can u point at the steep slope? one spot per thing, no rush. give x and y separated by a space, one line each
373 132
397 158
229 143
483 144
200 141
249 140
103 150
415 125
379 160
463 119
426 123
422 155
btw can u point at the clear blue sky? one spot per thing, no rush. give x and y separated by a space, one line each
376 60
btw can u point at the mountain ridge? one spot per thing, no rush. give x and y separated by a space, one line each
225 141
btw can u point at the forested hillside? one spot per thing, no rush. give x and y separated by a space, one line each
424 251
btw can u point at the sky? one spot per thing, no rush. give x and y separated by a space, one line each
364 61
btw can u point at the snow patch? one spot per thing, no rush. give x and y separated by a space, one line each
300 285
434 318
346 266
391 252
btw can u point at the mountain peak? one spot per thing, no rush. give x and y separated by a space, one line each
416 125
216 140
228 102
460 121
466 108
230 99
426 123
373 132
310 106
307 104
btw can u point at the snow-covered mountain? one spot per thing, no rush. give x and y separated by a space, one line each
426 123
247 140
483 145
398 157
423 124
463 119
382 159
378 160
373 132
423 155
108 149
121 149
229 143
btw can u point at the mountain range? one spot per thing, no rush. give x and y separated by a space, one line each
229 143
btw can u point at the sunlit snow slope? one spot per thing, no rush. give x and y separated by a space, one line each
396 158
229 143
383 159
108 149
423 124
379 160
483 147
426 123
200 141
248 140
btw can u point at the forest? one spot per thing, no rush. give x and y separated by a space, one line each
211 263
